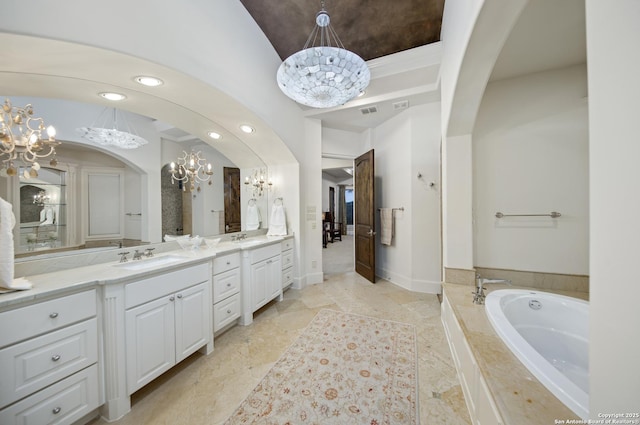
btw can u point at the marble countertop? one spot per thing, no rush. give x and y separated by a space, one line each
72 277
518 395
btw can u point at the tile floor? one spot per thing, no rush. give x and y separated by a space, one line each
207 389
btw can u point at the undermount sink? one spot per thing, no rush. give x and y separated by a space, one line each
247 243
148 263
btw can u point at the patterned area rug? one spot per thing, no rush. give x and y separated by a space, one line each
343 369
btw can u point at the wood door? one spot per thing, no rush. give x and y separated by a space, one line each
232 221
365 241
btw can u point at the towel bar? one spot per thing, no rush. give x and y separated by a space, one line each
553 214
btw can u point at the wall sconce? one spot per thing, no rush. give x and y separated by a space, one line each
257 182
41 198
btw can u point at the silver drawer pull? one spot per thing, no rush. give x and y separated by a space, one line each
56 410
55 357
179 296
228 285
53 315
172 298
229 311
228 263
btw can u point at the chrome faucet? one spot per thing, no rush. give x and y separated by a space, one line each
123 256
137 255
479 295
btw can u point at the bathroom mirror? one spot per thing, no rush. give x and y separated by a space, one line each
75 155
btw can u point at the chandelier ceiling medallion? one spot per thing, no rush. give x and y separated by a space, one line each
191 168
325 74
21 139
112 130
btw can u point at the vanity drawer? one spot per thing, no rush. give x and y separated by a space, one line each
26 322
287 259
226 262
287 244
226 312
262 253
32 365
152 288
287 277
226 284
62 403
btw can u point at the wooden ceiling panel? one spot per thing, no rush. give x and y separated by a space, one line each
370 28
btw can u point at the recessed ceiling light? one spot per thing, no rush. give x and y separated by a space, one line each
148 81
214 135
247 128
113 96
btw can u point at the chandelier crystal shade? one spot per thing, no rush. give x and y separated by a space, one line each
191 168
21 139
323 75
112 130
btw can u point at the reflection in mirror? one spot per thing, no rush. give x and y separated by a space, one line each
42 211
143 206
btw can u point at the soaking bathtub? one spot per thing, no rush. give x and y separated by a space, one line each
549 335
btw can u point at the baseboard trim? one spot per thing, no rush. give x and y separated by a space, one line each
414 285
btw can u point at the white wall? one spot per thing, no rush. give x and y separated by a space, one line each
406 145
530 155
613 60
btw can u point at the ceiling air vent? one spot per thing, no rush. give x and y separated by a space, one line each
404 104
369 110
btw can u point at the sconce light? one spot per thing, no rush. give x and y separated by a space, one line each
257 182
40 198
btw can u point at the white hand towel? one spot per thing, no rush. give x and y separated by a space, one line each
277 222
7 221
253 217
386 226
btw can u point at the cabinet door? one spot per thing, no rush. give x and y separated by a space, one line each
193 323
150 341
259 280
275 276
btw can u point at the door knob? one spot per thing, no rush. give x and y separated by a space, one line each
371 232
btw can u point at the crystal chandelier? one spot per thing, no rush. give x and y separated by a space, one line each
105 131
257 182
191 168
323 75
21 139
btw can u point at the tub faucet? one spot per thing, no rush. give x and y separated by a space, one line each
479 295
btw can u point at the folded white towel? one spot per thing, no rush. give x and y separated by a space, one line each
253 217
7 222
386 226
277 222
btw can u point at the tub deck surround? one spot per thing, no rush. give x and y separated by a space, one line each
549 333
519 397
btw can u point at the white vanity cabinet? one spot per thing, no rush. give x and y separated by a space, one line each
49 360
287 262
261 278
168 317
226 290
